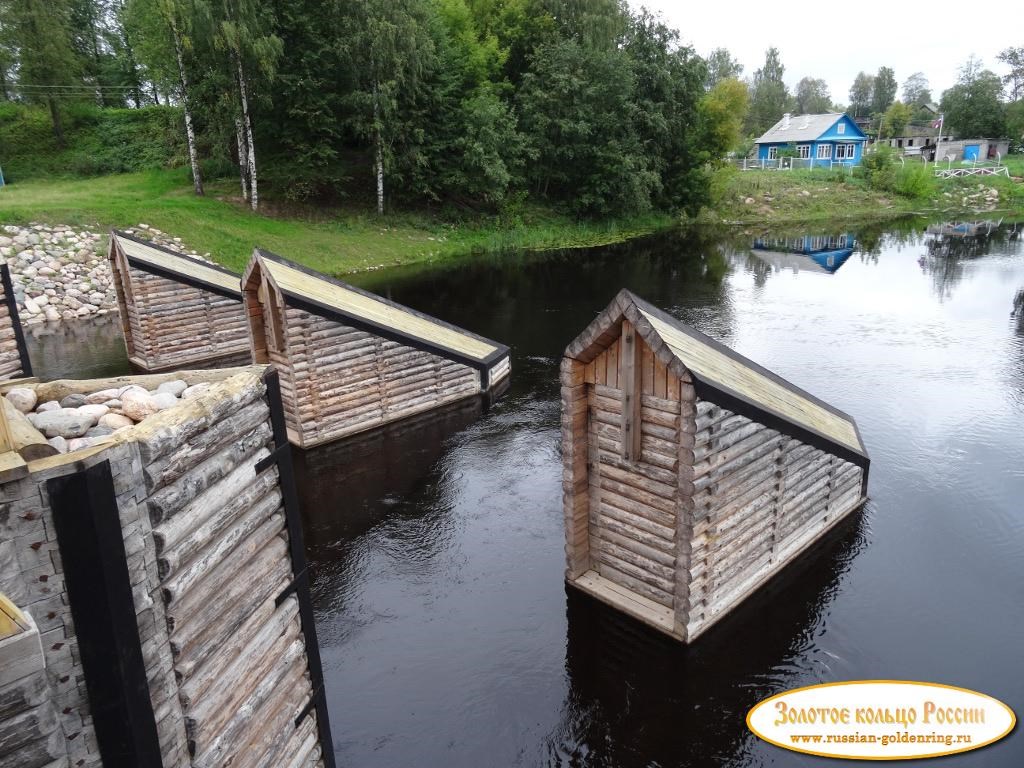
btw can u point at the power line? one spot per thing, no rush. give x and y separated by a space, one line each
22 86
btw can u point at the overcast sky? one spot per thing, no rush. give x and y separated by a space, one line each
835 42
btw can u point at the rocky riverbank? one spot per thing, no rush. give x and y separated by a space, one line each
61 274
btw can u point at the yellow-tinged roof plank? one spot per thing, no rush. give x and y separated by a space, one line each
179 264
715 367
300 284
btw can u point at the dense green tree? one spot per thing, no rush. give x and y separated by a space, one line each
48 70
973 107
812 96
862 94
1015 121
884 92
723 110
895 119
669 81
578 120
769 97
722 66
1014 81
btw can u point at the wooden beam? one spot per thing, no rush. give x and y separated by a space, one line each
630 371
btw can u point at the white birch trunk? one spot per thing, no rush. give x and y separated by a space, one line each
251 148
243 160
379 150
190 134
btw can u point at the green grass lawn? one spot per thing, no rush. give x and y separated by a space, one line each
333 241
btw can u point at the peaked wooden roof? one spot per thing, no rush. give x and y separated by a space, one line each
725 377
317 293
163 261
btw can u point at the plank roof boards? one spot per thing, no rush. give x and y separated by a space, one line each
177 311
351 360
14 362
692 475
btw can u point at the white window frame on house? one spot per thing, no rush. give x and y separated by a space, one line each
773 153
824 152
846 151
841 128
803 151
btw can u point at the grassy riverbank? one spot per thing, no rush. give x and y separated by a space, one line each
805 196
334 240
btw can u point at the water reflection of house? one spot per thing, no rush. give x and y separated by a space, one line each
964 228
813 253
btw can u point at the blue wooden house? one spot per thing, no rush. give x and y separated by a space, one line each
816 140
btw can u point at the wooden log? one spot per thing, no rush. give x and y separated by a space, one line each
198 644
25 439
268 567
209 755
604 508
636 585
236 655
261 515
176 496
180 538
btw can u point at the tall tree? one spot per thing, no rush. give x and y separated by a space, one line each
722 66
389 50
862 94
47 65
812 96
165 30
769 97
895 119
1014 81
973 107
723 110
884 92
242 31
915 90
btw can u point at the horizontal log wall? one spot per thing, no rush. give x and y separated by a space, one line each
759 498
633 504
173 324
207 552
11 366
342 380
221 549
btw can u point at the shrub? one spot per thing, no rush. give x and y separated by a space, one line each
878 167
915 181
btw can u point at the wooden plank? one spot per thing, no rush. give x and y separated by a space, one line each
637 606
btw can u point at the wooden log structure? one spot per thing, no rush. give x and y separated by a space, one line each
177 311
691 474
350 360
14 362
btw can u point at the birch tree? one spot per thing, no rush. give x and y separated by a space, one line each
389 49
242 32
164 29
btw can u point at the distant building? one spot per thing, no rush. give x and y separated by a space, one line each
969 149
814 140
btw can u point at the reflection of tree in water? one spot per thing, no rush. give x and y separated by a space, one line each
1018 311
950 246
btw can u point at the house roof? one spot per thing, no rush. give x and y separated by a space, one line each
162 261
725 377
323 295
802 128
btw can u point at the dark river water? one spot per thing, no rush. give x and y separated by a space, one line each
448 637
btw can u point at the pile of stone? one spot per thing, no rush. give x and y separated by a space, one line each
981 198
62 274
82 420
